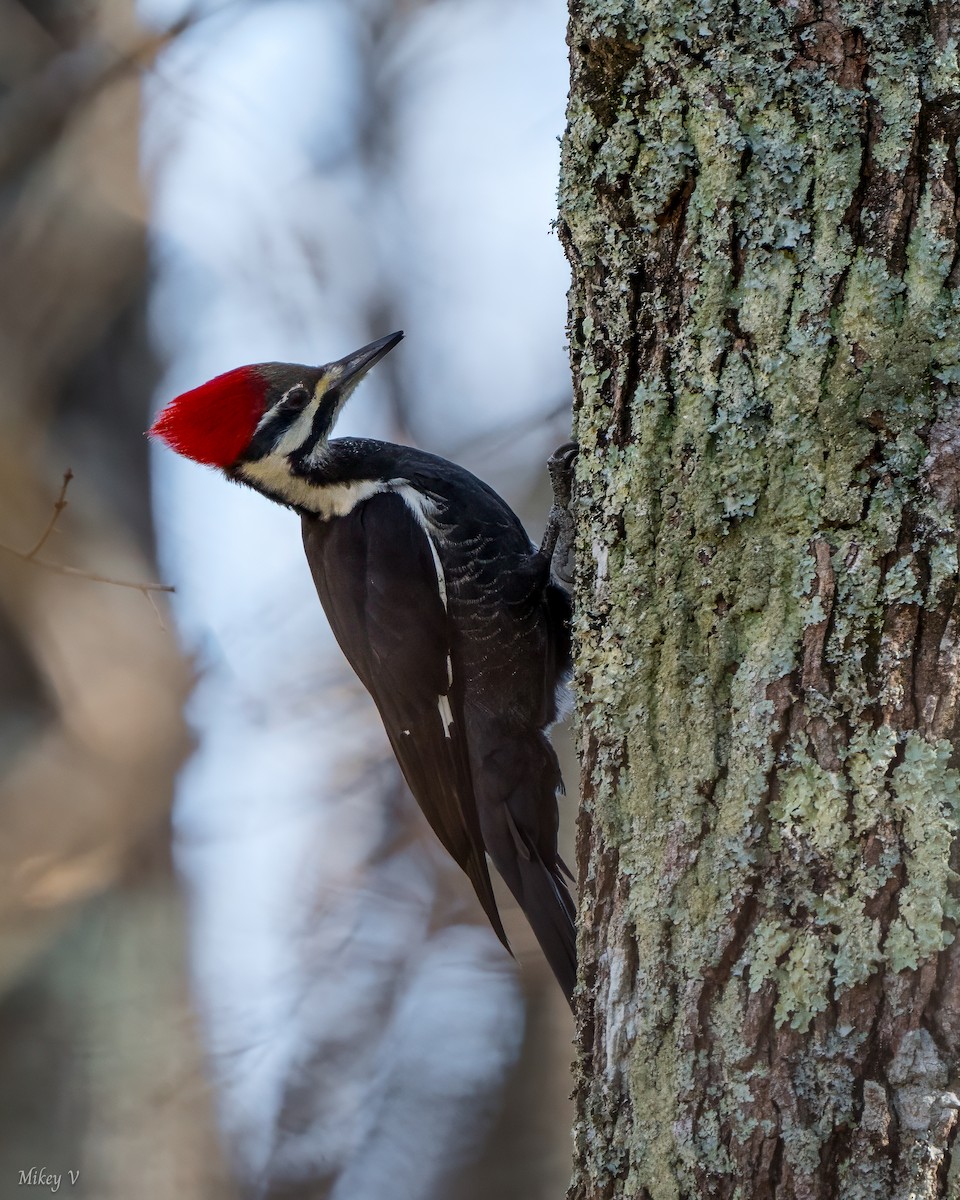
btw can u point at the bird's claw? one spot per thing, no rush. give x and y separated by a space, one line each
560 466
558 539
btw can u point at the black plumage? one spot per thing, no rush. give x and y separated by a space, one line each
492 641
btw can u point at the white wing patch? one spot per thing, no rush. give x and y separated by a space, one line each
424 509
446 716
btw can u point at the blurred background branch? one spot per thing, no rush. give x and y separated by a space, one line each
100 1067
30 555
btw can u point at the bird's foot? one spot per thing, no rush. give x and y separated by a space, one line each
560 466
558 538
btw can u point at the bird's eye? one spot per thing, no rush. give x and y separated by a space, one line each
298 397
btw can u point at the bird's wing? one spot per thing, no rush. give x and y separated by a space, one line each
381 585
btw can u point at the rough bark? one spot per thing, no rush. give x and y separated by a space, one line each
760 207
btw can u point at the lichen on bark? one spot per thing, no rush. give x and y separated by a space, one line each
759 204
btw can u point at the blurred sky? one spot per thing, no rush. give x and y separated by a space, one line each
280 234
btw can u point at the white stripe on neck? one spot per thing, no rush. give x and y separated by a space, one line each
272 474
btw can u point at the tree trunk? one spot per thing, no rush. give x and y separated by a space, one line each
760 209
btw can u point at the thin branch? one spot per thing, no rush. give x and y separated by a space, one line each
77 573
59 506
60 569
42 104
156 611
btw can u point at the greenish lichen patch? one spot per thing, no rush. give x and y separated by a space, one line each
943 570
761 541
825 942
925 796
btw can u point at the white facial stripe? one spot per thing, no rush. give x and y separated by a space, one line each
267 416
272 472
271 412
299 431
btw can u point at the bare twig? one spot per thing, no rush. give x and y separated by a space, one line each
77 573
32 118
31 556
156 611
59 506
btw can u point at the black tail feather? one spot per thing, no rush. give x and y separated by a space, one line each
549 908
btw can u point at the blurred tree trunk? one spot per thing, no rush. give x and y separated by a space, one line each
760 206
100 1069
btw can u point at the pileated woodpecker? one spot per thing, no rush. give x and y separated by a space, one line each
441 604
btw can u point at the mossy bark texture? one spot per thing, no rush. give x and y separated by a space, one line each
760 203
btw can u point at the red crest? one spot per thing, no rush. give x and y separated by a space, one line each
214 423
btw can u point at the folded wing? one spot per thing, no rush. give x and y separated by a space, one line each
381 586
